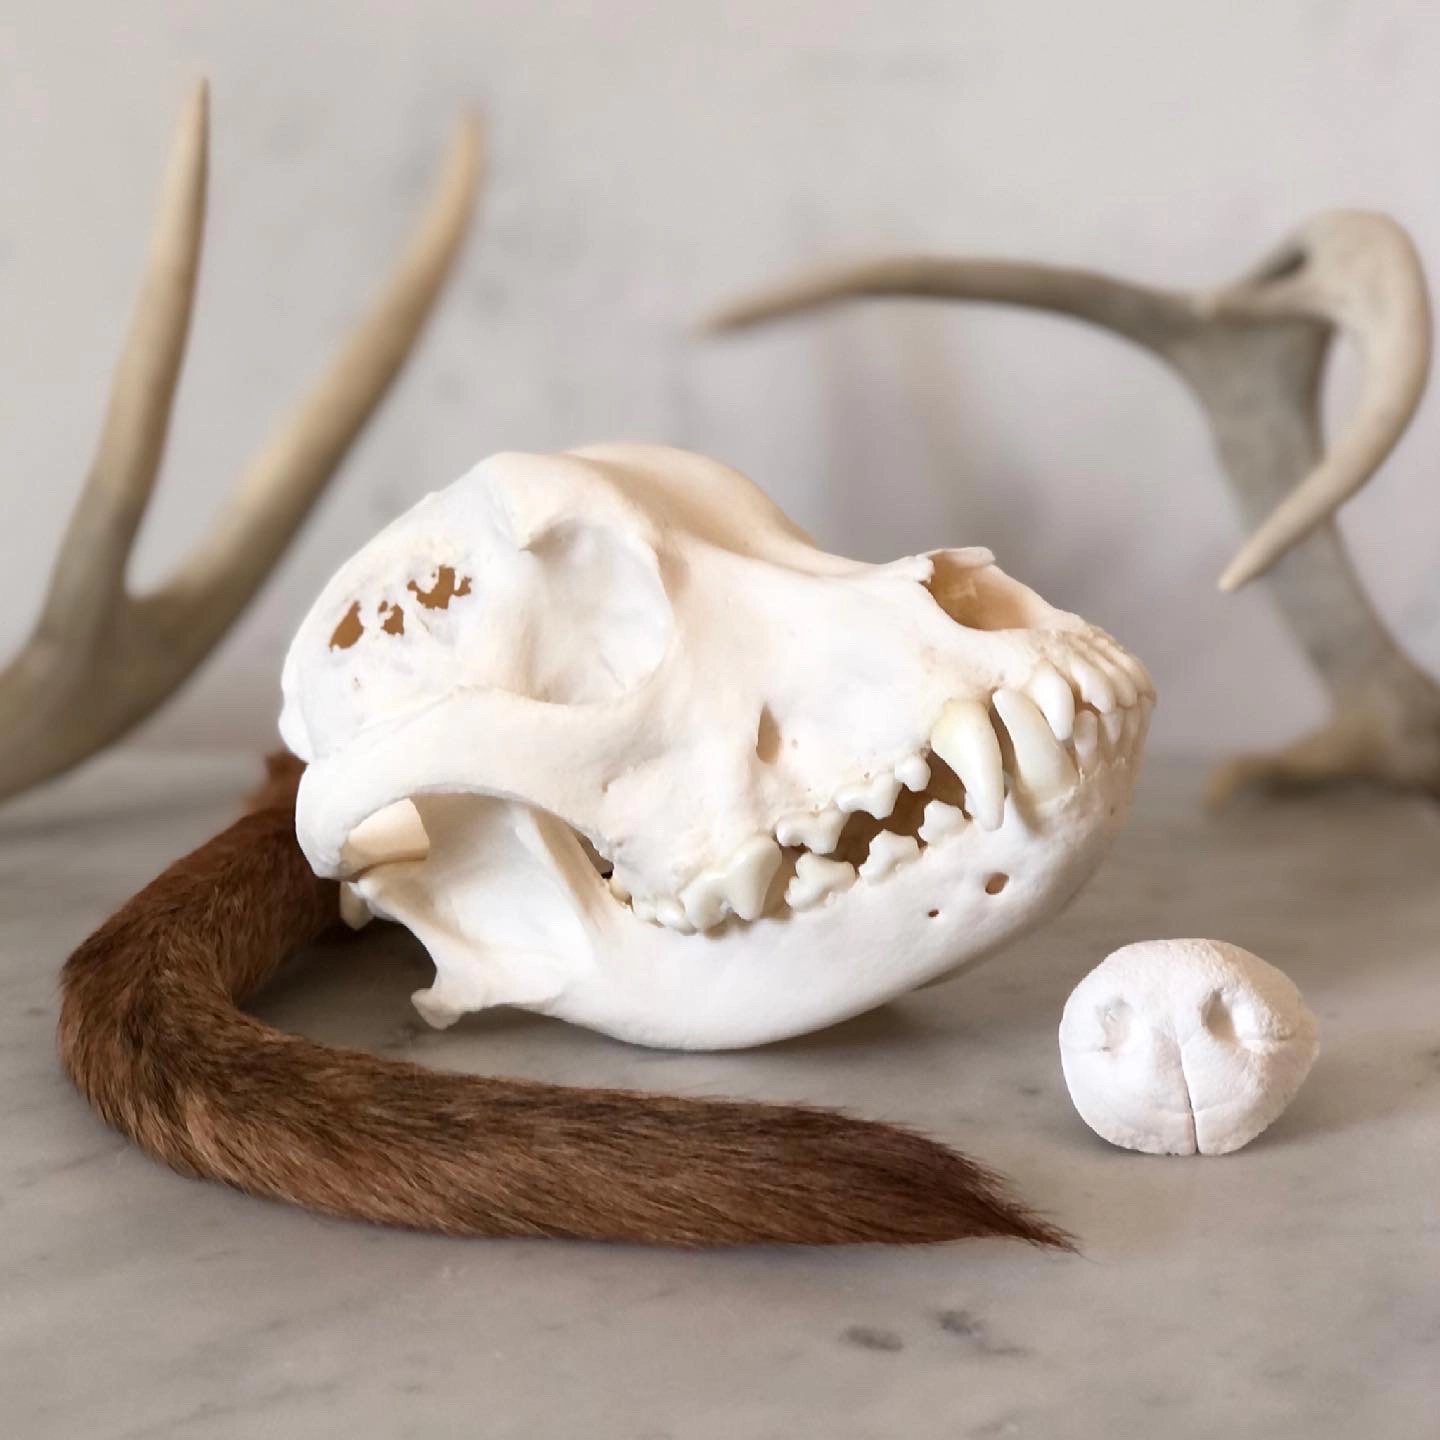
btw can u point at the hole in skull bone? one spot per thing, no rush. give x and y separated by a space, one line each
349 630
767 738
445 589
996 883
394 621
980 597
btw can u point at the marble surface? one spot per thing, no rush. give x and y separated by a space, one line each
1288 1290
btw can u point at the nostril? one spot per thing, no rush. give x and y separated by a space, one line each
1215 1016
768 739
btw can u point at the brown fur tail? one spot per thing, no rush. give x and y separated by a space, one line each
151 1032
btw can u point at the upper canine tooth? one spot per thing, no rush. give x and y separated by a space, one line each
887 850
875 797
1095 686
814 879
913 773
748 876
941 820
1052 693
1044 767
818 833
964 739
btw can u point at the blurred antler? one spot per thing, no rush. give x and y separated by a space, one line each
1254 352
100 660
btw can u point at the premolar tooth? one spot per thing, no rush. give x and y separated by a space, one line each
1087 738
964 739
814 879
913 773
1052 693
940 821
875 797
887 850
817 833
1095 686
1045 769
748 876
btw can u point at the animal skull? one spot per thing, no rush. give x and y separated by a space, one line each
618 743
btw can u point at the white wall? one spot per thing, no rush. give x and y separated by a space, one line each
650 160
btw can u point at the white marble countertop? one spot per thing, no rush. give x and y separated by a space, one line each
1290 1290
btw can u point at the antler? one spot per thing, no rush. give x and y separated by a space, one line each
1253 352
100 660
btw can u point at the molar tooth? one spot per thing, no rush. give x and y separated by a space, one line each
814 879
875 797
1045 767
1087 738
817 833
672 916
1095 686
1052 693
887 851
913 773
964 739
940 821
748 876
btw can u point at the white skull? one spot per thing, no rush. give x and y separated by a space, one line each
620 744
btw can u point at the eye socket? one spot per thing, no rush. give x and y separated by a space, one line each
982 597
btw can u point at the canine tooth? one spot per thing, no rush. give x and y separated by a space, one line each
941 820
964 739
1087 738
748 877
1052 693
814 879
875 797
913 773
819 833
1095 686
672 916
1114 726
888 850
1045 768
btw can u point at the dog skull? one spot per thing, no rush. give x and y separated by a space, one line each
618 743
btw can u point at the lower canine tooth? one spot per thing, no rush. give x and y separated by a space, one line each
748 877
964 739
1044 768
1052 693
887 850
814 879
817 833
913 773
941 820
875 797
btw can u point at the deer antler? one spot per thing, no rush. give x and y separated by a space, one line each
1254 352
100 660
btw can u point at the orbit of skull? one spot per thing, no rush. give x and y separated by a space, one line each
619 743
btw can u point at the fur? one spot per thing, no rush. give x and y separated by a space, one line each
152 1033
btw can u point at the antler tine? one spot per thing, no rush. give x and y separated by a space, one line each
292 471
1359 272
100 660
89 574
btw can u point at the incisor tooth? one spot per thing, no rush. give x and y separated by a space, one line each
1087 738
748 876
1095 686
1052 693
875 797
353 909
941 820
964 739
887 851
1045 768
704 901
819 833
1113 725
644 909
814 879
672 916
913 773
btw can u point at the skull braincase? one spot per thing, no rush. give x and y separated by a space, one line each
626 665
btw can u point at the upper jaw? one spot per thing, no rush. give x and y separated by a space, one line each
1083 708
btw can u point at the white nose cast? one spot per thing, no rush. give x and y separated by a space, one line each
1178 1047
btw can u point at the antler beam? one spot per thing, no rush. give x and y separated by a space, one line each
100 660
1253 352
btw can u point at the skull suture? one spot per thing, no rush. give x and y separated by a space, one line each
619 744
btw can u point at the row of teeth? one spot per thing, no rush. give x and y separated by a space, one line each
1051 740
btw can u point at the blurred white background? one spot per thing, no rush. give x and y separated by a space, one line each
650 160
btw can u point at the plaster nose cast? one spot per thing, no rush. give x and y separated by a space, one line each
620 744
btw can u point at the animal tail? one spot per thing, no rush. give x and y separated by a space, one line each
151 1032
